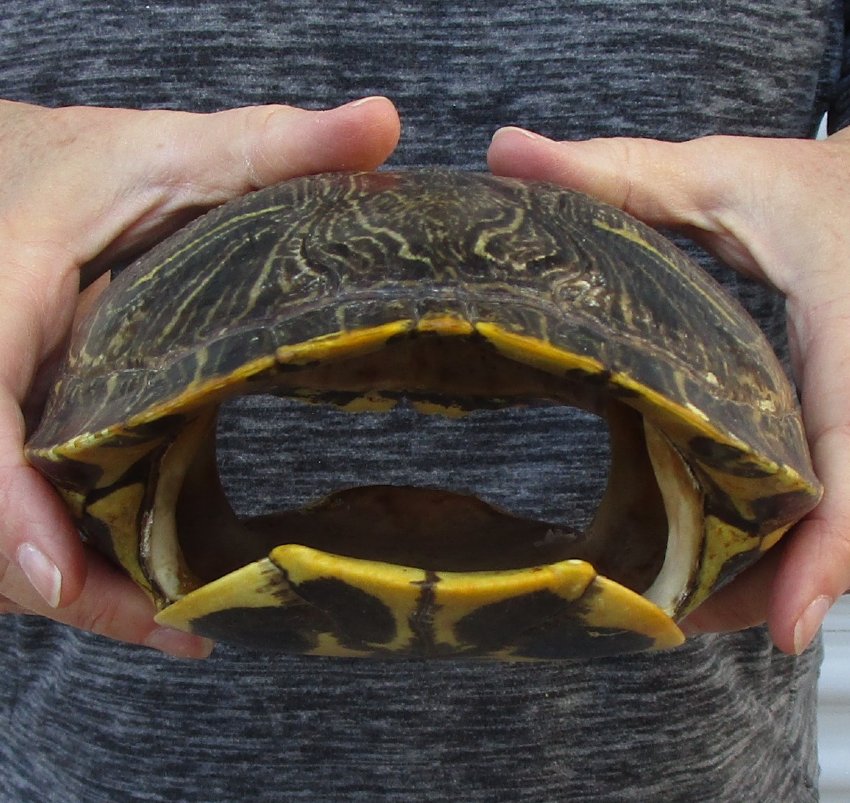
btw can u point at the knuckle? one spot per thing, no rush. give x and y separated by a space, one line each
625 154
7 606
4 570
4 582
259 134
652 183
10 589
833 535
100 616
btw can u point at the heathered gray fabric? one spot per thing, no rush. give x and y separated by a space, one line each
721 719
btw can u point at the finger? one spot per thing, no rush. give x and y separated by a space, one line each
625 172
815 568
704 187
111 605
162 165
742 603
745 200
36 532
276 143
203 160
165 166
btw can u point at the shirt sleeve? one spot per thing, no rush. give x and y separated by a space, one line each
838 115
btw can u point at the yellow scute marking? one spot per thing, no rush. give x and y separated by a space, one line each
446 325
771 539
619 608
533 351
722 542
341 344
397 587
119 511
459 594
256 585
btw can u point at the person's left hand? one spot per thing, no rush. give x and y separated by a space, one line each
777 210
84 188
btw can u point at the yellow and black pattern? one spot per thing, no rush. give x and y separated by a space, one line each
454 291
305 601
344 253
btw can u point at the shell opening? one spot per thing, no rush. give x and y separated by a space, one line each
646 533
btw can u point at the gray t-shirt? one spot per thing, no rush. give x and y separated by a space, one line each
723 718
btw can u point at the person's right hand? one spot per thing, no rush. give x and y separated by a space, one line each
776 210
79 189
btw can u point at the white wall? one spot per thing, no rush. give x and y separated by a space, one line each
834 707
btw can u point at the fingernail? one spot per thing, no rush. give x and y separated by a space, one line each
179 644
43 574
361 102
529 134
809 623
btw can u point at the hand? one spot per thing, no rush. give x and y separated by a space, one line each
81 188
779 211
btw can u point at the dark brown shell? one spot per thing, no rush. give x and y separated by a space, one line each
278 267
594 305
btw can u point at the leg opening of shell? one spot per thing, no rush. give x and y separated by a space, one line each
645 533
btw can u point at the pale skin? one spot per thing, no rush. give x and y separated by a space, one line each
775 210
84 187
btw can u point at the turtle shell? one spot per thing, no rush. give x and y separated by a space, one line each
454 291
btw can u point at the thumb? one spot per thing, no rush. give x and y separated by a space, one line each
777 210
712 189
123 178
624 172
206 159
85 186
